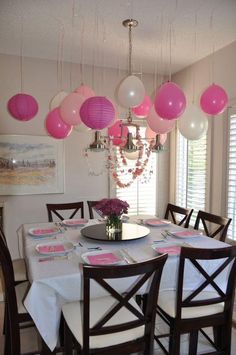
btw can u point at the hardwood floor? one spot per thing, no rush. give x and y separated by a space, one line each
30 341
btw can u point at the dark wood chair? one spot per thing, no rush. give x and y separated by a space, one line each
114 324
173 212
91 204
218 223
75 207
188 311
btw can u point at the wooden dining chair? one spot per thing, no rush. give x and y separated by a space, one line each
53 208
178 215
114 324
91 204
219 224
206 305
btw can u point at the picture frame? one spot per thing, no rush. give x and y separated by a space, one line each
31 165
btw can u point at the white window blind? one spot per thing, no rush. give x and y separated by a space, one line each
140 196
191 173
231 185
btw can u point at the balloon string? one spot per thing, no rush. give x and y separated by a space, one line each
62 32
82 53
72 41
170 59
21 58
195 53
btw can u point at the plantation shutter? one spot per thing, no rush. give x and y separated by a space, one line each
140 195
191 173
231 183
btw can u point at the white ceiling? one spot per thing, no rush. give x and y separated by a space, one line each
91 31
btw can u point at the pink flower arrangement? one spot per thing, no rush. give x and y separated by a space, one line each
112 207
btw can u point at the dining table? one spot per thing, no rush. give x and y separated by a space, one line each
55 275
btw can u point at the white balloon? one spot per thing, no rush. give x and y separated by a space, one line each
131 155
193 123
57 100
131 92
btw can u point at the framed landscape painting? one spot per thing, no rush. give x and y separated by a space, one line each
31 165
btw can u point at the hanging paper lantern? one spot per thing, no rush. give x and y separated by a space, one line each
85 91
193 124
214 100
131 92
158 124
57 100
55 126
97 112
70 108
150 134
143 109
170 101
116 131
23 107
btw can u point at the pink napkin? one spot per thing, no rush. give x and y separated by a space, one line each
186 234
156 222
43 231
51 248
75 221
172 250
103 259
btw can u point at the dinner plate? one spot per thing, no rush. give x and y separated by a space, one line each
43 232
102 257
157 222
170 250
75 222
185 234
56 248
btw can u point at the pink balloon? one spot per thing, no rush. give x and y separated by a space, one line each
214 100
23 107
115 131
85 91
159 125
170 101
70 108
55 126
149 134
97 112
143 109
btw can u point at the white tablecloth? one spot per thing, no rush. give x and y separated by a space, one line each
56 282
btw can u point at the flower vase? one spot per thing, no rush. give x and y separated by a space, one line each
113 227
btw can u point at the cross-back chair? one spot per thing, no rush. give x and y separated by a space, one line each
220 224
114 324
174 211
53 208
91 204
205 305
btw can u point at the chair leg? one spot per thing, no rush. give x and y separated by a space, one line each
68 340
174 343
193 341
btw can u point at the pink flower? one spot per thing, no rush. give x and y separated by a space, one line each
112 207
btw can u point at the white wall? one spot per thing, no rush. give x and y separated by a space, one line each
40 80
224 75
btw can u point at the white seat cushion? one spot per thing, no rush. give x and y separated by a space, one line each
19 270
98 307
21 290
166 300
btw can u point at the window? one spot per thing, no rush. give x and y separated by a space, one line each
140 195
231 183
191 172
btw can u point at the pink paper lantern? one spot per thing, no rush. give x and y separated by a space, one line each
143 109
97 112
85 91
170 101
214 100
55 126
158 124
150 134
115 131
23 107
70 108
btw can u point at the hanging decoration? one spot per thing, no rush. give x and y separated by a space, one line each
70 108
118 134
214 100
55 126
57 100
23 107
193 124
85 91
158 124
144 108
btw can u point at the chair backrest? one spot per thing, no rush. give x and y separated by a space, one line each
207 276
149 270
184 213
221 224
90 208
53 208
9 288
